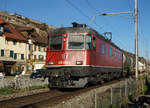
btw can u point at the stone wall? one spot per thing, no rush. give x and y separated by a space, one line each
23 81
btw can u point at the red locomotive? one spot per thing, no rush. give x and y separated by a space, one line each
78 56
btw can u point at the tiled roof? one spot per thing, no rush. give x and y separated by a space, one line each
39 38
2 21
12 33
28 32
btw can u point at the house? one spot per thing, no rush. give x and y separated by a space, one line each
35 34
12 49
36 46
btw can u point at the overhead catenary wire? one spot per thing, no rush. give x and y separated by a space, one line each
116 39
85 15
122 43
82 13
78 9
90 5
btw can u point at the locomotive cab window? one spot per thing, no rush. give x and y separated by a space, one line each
76 42
88 42
102 48
55 42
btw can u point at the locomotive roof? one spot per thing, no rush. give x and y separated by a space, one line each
72 29
81 30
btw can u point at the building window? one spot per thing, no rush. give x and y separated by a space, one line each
30 46
22 56
35 57
11 53
39 48
41 57
109 51
34 47
2 52
29 56
15 55
14 43
44 49
103 49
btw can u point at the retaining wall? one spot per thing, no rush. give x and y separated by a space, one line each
22 82
111 96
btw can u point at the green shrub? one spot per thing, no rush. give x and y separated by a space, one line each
5 91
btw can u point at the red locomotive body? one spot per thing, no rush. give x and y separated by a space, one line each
77 56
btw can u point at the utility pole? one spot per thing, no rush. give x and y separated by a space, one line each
136 37
146 56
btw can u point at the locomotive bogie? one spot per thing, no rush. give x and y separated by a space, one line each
79 77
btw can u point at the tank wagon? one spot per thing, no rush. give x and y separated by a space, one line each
78 56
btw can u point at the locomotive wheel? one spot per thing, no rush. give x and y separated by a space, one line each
108 78
124 74
112 76
86 86
101 82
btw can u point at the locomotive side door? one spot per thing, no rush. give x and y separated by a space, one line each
93 52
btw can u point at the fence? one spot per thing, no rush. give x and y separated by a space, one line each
110 96
117 97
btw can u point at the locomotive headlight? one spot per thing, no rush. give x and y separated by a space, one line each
50 63
79 62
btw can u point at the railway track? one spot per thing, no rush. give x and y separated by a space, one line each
28 100
48 99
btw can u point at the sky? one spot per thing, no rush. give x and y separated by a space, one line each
64 12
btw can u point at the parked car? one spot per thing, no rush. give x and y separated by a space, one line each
36 74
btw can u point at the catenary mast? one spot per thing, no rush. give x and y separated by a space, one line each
136 36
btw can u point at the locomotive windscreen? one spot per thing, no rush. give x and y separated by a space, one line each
55 42
88 42
76 42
